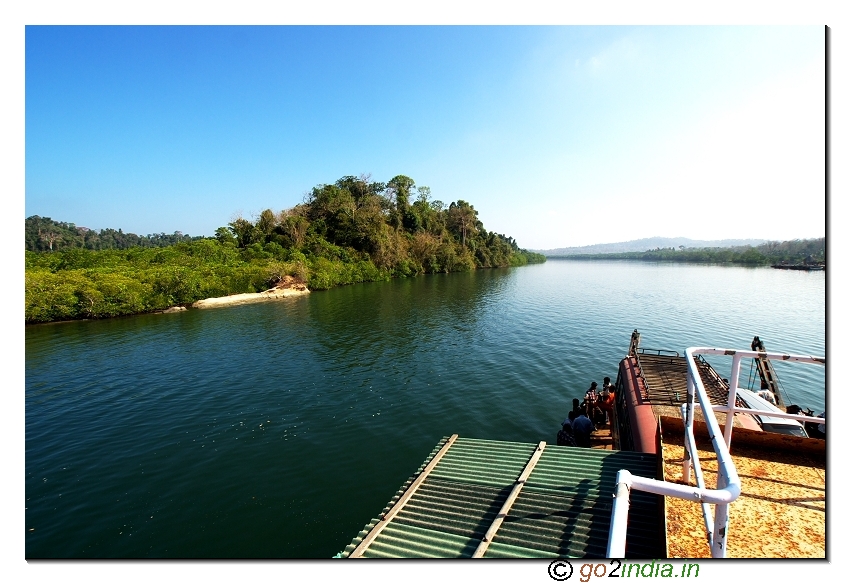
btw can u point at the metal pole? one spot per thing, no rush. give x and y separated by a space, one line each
733 392
686 461
688 412
721 527
619 516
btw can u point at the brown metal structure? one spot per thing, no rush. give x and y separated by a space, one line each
767 374
654 383
665 375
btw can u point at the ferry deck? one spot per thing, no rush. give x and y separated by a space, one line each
489 499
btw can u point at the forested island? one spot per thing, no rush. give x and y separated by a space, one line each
355 230
796 252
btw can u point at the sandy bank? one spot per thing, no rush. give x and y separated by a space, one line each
264 296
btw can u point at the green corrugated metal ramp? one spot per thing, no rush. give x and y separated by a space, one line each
558 504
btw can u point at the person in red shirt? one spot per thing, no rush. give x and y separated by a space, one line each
606 403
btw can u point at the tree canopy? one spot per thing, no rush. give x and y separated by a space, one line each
45 234
378 221
351 231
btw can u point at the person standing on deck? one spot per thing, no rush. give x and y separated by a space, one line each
766 394
591 401
582 428
591 395
565 435
607 402
606 384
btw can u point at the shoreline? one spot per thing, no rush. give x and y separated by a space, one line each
275 293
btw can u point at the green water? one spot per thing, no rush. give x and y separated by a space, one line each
280 429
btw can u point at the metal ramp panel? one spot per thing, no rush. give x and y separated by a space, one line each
511 500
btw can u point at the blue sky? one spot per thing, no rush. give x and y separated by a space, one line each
563 135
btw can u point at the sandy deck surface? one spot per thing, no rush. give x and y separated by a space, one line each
781 511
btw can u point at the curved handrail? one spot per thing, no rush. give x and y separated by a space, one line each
728 482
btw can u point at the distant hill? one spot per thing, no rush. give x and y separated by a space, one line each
649 244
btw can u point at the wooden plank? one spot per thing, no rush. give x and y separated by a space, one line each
385 520
601 439
506 507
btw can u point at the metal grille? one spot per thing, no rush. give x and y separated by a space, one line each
666 378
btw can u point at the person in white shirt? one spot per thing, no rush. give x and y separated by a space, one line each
765 394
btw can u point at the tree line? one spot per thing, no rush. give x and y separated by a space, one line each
45 234
351 231
797 251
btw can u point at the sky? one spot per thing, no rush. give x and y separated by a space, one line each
558 135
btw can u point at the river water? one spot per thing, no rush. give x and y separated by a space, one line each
279 430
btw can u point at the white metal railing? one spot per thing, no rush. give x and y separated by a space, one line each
728 483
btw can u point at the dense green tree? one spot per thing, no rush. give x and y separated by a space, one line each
266 223
245 231
293 224
225 235
401 187
463 220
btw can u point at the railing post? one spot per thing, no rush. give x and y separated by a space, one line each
721 511
721 529
733 392
688 413
619 516
686 460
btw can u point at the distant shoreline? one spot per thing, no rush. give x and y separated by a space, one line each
794 252
736 262
809 253
609 257
731 263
